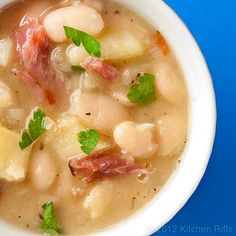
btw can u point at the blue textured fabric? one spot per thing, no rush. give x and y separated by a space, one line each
212 208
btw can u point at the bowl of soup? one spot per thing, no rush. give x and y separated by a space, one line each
107 117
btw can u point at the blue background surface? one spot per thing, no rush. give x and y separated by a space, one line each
212 208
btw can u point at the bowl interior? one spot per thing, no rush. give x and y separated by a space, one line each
202 121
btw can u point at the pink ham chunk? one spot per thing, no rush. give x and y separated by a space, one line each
97 166
100 68
33 49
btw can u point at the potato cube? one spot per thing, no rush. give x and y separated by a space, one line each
121 45
13 161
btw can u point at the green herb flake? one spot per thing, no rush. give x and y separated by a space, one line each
88 139
143 93
78 69
35 127
91 45
49 224
26 141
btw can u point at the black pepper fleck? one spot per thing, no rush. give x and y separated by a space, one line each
132 203
41 147
40 216
88 114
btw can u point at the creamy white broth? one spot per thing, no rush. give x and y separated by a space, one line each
80 207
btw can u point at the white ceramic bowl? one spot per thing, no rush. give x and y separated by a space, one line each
202 122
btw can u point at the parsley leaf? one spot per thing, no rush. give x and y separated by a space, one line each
49 224
143 93
88 139
91 45
35 127
78 69
26 141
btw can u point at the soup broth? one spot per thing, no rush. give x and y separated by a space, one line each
114 120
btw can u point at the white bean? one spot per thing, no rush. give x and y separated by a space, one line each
80 17
43 169
172 134
6 51
5 95
136 139
59 59
15 116
95 4
65 184
169 85
121 96
98 111
76 54
98 199
89 82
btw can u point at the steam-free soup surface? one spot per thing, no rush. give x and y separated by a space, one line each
112 122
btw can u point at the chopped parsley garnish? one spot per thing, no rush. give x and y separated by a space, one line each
78 69
88 139
143 92
91 45
35 129
49 224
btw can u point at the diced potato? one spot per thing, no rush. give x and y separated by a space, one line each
172 134
6 51
121 45
13 161
65 141
99 199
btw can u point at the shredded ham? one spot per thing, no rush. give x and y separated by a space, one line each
102 69
97 166
33 49
161 42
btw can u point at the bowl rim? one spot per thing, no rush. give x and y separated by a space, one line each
143 222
